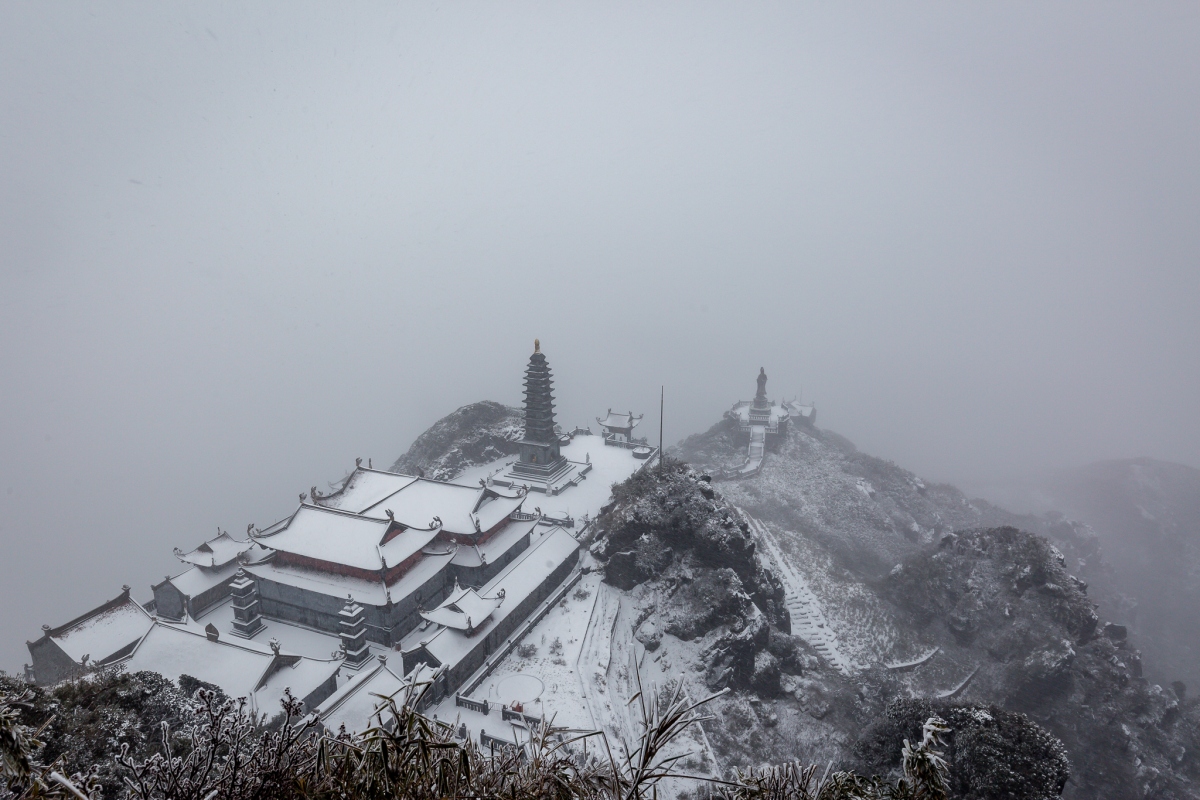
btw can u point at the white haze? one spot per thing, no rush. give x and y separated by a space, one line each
242 244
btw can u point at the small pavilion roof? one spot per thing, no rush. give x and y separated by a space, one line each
216 552
627 420
464 609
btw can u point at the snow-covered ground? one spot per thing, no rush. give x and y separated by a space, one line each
609 465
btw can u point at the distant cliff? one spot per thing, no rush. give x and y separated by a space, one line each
1146 514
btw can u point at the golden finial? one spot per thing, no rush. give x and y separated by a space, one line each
537 346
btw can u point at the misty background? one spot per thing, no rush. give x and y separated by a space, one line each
241 246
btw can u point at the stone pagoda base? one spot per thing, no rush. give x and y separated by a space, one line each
554 481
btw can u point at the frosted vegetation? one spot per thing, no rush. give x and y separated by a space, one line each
209 746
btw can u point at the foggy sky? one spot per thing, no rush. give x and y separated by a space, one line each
240 246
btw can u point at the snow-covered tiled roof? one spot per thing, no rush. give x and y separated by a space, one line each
356 703
101 635
241 668
494 547
339 537
517 581
626 420
366 487
463 610
363 591
195 581
218 551
457 506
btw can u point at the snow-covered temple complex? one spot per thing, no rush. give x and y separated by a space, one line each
384 579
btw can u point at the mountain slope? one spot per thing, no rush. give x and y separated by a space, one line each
472 435
891 588
991 614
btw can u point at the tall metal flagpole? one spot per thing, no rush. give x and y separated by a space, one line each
662 393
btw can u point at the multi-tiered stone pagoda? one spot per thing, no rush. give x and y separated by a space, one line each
540 456
541 466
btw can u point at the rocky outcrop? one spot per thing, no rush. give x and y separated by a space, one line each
474 434
671 535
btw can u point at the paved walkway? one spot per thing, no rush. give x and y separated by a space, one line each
808 621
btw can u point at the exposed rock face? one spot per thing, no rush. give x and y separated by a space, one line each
1146 515
472 435
670 534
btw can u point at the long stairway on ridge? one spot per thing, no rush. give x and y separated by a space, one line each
808 621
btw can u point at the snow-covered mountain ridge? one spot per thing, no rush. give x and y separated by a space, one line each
894 591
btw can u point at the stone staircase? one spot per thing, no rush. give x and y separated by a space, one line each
808 621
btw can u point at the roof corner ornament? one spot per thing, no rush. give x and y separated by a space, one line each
369 464
358 462
178 553
250 530
537 346
500 593
387 512
274 646
125 588
436 522
315 494
303 496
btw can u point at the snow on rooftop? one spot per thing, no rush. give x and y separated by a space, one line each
294 638
172 651
517 580
102 635
496 546
369 592
238 667
464 610
216 552
620 420
301 676
195 581
357 702
332 536
365 488
456 505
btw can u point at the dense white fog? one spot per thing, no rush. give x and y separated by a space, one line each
243 245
